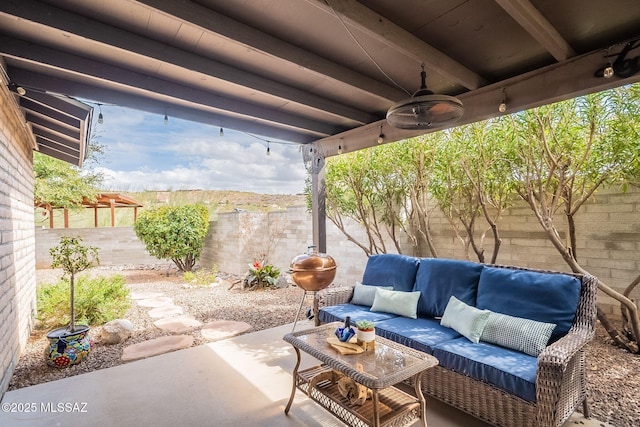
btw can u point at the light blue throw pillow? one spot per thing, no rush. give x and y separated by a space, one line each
365 294
525 335
465 319
397 302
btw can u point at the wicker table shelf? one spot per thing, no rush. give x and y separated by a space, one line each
389 364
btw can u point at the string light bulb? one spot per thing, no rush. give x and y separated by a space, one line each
268 150
503 105
100 116
607 71
381 136
221 132
340 145
166 120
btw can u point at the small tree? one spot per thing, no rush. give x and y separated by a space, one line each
73 258
174 232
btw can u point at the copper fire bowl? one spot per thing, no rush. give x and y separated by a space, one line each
313 280
313 271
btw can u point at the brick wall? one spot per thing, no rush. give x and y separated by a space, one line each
17 243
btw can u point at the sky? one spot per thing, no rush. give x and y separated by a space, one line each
142 153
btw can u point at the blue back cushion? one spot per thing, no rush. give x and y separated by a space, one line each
394 270
545 297
438 279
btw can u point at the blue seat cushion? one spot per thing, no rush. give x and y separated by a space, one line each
420 334
337 313
544 297
394 270
438 279
508 370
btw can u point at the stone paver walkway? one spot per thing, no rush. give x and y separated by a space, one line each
178 324
156 346
171 318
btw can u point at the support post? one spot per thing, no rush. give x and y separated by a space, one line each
314 161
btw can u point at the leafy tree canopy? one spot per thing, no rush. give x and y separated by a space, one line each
61 184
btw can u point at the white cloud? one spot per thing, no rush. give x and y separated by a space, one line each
144 154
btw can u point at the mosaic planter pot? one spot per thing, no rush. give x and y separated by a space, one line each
68 348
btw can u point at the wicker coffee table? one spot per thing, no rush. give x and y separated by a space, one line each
379 370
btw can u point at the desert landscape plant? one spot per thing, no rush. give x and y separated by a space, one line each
174 232
98 300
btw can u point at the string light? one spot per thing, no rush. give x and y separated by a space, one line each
503 105
268 150
381 136
607 71
166 120
100 116
221 132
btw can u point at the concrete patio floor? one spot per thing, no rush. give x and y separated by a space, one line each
242 381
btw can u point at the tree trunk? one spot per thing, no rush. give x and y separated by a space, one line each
72 323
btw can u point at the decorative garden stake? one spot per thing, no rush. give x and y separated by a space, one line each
70 345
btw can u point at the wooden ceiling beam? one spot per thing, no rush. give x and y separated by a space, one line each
568 79
128 80
135 49
212 22
530 18
394 36
110 95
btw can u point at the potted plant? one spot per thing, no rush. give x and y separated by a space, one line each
71 344
365 331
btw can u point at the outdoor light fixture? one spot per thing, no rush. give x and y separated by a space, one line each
166 120
425 109
608 72
17 89
100 116
381 136
503 105
221 132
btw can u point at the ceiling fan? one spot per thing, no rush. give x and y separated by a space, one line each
425 109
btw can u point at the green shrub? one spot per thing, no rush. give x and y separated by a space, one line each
174 232
98 300
202 276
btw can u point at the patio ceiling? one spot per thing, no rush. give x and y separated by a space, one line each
321 71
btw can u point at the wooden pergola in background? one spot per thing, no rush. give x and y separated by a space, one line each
103 200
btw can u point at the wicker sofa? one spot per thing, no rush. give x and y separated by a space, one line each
498 379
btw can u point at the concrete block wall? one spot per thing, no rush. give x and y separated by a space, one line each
116 245
607 246
236 238
17 241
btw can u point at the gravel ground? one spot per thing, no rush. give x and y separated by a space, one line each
613 374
